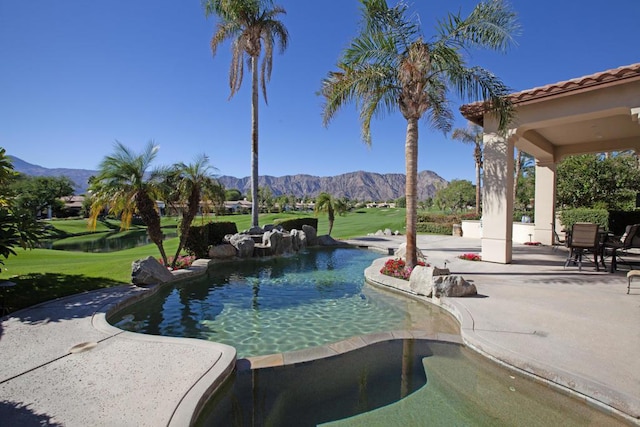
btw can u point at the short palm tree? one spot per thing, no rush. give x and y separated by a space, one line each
250 24
473 135
326 203
123 186
390 67
192 183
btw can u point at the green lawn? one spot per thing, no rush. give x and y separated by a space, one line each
43 274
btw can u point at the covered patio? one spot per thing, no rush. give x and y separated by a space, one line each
590 114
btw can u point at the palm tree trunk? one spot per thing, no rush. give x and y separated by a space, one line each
477 188
332 217
147 210
518 169
411 161
187 219
254 142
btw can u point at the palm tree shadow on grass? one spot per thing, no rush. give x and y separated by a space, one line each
23 415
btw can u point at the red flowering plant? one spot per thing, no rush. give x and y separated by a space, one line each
532 243
398 268
183 261
470 257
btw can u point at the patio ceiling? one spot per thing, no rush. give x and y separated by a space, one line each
595 113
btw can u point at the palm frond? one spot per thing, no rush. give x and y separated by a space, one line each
491 24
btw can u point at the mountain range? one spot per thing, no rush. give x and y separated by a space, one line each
354 185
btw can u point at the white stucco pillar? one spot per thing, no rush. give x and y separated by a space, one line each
545 201
497 195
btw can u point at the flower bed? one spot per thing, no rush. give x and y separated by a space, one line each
184 261
532 243
398 268
471 257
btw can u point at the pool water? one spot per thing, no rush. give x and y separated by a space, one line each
276 305
395 383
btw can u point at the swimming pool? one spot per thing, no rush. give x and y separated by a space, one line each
276 305
395 383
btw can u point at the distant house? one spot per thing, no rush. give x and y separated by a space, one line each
72 206
237 206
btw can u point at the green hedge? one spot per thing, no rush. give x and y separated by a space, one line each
447 218
435 228
438 218
210 234
297 223
568 217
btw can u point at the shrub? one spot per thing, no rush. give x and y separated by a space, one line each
438 218
210 234
435 228
182 262
297 223
471 216
197 242
217 231
568 217
398 268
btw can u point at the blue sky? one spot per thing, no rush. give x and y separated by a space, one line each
77 75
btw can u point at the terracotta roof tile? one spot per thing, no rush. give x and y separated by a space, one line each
474 110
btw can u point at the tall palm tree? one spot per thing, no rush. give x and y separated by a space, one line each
326 203
389 67
192 183
250 24
123 186
473 135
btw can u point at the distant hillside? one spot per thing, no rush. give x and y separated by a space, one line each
355 185
79 176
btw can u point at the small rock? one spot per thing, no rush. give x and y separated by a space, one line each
453 286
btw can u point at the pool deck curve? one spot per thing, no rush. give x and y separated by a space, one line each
63 364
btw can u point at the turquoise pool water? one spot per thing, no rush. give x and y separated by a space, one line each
395 383
267 306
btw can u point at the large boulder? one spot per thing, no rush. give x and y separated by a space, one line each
254 230
287 243
326 240
312 235
401 252
244 245
273 239
224 251
298 240
149 271
422 279
452 286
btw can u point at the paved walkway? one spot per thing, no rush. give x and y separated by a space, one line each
62 364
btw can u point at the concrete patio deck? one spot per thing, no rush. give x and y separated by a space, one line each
62 364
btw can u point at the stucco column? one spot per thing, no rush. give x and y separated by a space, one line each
545 201
497 195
